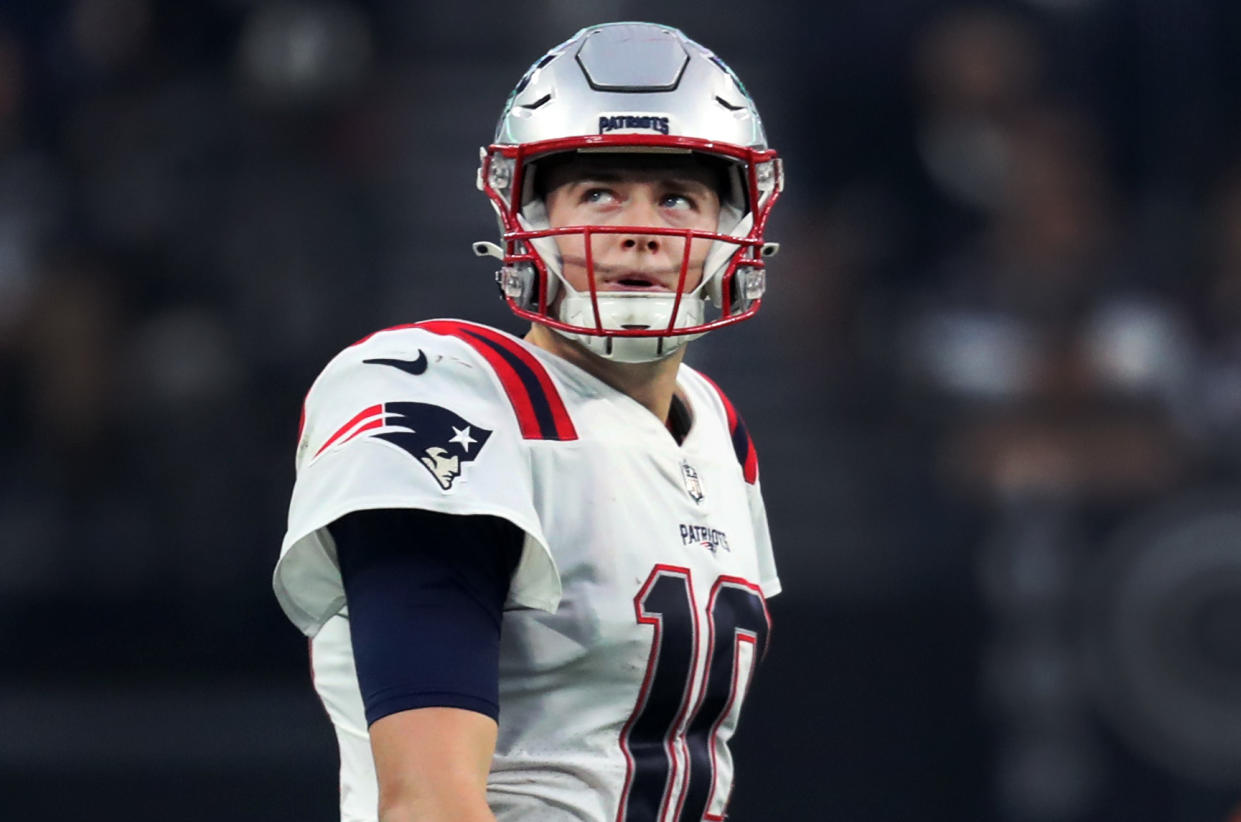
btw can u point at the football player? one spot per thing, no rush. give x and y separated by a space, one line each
535 569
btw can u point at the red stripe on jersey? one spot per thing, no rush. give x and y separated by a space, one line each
382 330
344 429
742 444
560 415
541 413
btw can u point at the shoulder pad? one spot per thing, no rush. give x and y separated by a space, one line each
540 410
464 365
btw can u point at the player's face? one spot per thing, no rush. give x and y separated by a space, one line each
600 192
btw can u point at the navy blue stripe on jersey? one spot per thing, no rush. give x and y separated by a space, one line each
425 593
743 446
741 442
541 413
538 398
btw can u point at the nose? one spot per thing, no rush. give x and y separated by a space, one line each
641 211
648 242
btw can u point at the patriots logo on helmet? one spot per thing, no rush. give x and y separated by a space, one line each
440 440
633 122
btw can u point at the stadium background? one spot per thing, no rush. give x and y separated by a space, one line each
996 388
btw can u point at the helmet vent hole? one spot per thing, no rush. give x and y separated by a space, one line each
537 103
728 105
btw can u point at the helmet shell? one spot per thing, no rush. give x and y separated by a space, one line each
636 78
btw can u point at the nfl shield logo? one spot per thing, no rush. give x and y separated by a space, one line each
692 484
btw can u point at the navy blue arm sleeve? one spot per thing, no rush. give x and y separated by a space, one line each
425 593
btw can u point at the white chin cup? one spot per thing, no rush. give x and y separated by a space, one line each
722 252
631 310
533 217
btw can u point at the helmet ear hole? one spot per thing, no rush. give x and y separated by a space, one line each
518 282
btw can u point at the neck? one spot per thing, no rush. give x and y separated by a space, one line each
650 383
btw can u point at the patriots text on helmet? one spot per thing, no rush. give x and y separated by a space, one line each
629 122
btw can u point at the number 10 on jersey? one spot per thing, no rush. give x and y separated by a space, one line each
665 732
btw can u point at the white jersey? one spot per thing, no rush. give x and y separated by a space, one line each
636 614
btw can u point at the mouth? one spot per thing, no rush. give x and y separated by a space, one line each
613 279
634 285
639 281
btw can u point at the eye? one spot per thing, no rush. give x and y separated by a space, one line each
678 201
599 196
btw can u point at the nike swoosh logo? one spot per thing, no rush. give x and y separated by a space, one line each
414 367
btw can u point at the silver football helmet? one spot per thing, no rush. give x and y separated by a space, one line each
631 88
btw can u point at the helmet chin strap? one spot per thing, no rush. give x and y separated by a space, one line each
533 217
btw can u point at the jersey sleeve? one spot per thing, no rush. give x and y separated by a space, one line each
406 419
769 580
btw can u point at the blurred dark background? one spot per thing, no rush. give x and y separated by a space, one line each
995 389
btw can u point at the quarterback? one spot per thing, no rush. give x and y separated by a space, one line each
534 570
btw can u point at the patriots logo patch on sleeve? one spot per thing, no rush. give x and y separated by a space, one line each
440 440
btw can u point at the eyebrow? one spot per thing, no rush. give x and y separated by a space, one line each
615 177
